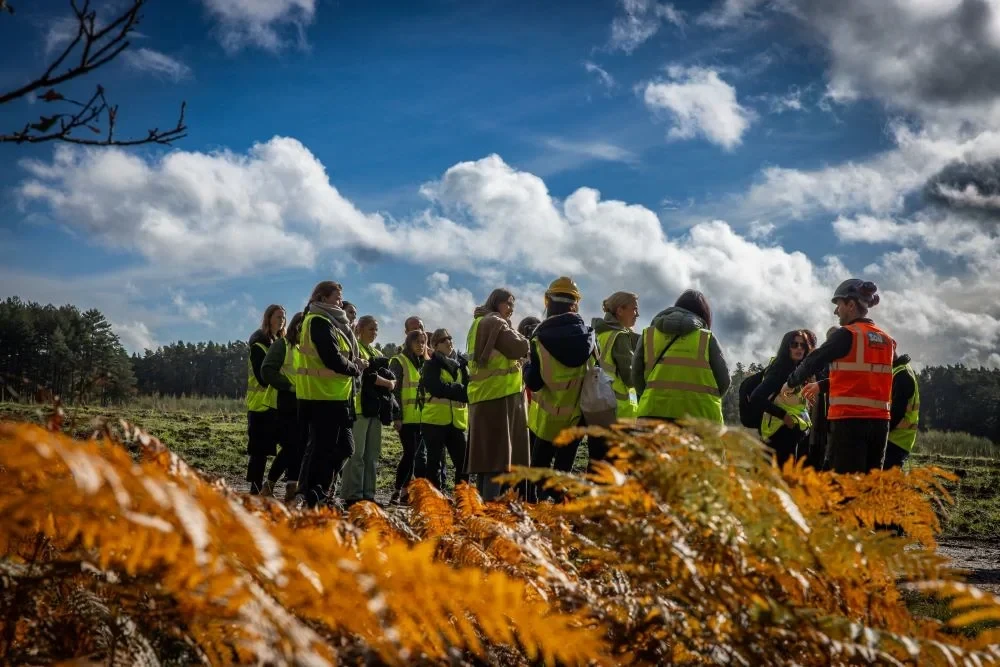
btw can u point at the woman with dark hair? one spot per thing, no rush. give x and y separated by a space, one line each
406 367
786 422
444 417
277 370
678 369
261 403
817 393
498 422
326 365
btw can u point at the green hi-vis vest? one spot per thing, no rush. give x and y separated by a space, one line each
904 435
366 353
408 391
271 395
556 405
256 392
682 383
442 411
628 404
794 405
313 380
498 378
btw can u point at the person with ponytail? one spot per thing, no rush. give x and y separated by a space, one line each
279 373
860 355
326 364
261 400
616 343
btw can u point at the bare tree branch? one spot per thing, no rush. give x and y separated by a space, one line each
100 45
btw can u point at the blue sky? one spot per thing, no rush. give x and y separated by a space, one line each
424 152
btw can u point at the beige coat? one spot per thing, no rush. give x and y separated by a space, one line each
498 429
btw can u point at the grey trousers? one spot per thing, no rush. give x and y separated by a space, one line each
360 472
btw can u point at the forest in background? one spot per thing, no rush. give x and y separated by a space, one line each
60 350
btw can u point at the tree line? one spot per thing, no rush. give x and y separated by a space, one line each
49 350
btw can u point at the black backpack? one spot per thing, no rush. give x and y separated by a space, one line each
750 417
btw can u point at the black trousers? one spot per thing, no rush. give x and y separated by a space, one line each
260 445
438 439
409 436
546 455
788 443
857 445
895 456
330 443
291 447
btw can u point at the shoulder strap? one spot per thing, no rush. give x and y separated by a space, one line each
660 358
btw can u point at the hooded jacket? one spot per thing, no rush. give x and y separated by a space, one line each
675 321
624 346
567 338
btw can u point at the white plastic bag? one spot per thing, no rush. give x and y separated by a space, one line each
597 398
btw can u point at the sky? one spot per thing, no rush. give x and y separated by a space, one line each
424 152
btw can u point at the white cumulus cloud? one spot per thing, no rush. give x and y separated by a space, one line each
699 103
266 24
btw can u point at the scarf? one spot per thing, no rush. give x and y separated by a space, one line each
340 321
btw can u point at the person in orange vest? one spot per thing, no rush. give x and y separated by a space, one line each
860 355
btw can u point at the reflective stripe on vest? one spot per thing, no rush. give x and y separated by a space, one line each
861 381
628 403
313 380
794 405
498 378
904 435
408 390
256 392
442 411
556 405
681 384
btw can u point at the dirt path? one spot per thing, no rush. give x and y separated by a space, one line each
980 557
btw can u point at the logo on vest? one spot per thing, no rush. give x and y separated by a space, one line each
875 338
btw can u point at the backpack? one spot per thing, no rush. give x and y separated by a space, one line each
750 417
597 398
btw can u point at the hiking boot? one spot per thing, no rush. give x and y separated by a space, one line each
268 489
290 490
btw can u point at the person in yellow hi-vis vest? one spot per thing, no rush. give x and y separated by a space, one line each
498 428
904 413
616 344
678 369
261 404
563 348
406 367
326 363
444 417
279 372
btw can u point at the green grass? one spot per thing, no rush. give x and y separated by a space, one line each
948 443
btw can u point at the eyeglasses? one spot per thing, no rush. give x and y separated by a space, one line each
795 344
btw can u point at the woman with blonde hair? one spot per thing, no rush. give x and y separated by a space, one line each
261 404
498 421
327 363
616 343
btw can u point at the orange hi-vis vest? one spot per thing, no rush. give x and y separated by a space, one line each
861 382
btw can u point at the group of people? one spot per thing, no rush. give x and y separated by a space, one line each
319 392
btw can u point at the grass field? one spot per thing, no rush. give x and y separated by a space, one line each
211 435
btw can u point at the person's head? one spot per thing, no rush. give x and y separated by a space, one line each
853 298
695 302
294 327
327 292
794 347
273 322
562 296
500 300
416 343
441 342
351 311
413 323
367 329
624 306
527 326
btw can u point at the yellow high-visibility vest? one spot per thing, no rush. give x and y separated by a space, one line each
443 411
314 381
905 433
498 378
256 393
408 390
681 384
628 403
555 406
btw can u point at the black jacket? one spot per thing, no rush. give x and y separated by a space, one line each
257 355
772 382
377 401
567 338
431 385
329 352
903 389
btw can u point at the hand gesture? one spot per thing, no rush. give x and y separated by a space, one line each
810 391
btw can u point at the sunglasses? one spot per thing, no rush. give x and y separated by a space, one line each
795 344
445 340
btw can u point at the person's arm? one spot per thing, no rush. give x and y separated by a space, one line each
902 392
256 360
639 366
770 384
836 346
511 344
270 369
430 374
720 369
532 372
396 369
328 351
621 352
